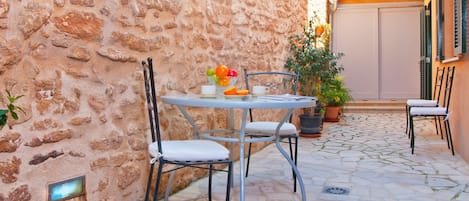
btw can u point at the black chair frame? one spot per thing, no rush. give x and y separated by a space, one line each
156 137
294 137
439 79
446 104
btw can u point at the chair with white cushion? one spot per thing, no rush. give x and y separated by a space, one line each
438 112
277 83
434 102
181 153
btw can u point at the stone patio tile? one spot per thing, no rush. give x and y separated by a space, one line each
462 197
367 153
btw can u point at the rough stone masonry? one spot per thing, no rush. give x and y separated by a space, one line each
78 64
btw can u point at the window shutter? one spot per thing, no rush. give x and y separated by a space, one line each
464 25
458 28
439 35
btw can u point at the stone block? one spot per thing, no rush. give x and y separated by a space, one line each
116 55
48 51
77 154
87 3
78 121
33 17
111 142
127 174
9 169
59 3
4 9
20 194
10 53
45 124
9 142
98 104
82 25
99 163
119 159
57 136
35 142
80 53
39 158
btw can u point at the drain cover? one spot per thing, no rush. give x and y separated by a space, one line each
336 190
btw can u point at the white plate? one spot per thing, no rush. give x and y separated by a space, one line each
235 96
208 96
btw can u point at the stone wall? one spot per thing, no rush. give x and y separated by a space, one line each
78 64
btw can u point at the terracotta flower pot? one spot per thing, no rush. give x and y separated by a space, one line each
332 114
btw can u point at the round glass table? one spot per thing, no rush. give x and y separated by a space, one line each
288 102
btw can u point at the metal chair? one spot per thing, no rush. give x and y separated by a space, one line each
181 153
268 128
434 102
438 112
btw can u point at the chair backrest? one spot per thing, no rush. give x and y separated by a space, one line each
152 106
448 87
278 82
439 78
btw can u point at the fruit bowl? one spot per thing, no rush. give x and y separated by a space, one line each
225 84
222 77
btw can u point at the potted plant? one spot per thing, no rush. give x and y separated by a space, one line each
10 110
312 59
334 95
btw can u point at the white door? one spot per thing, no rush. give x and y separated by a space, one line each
355 34
399 53
382 48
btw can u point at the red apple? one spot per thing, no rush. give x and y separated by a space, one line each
232 73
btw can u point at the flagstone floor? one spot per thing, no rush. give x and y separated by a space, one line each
366 154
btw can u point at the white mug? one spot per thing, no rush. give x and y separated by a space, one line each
259 90
208 89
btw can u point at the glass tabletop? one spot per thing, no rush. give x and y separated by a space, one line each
249 101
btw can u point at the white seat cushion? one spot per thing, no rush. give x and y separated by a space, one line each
421 103
190 150
422 111
268 127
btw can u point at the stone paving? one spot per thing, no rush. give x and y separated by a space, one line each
367 154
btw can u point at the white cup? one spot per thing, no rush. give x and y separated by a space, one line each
259 90
208 89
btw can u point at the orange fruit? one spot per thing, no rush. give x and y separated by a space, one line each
242 92
224 81
319 30
230 91
221 71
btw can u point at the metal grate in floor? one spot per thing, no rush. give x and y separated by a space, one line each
336 190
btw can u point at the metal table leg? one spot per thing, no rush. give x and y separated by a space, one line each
286 156
241 155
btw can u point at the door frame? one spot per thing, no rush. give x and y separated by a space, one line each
426 53
393 5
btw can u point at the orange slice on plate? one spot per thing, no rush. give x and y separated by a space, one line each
242 92
230 91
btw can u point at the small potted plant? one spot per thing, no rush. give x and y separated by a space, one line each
10 109
334 95
311 58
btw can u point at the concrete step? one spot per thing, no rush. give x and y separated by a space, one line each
375 106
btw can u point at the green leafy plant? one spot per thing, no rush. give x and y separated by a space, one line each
311 58
334 92
11 109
